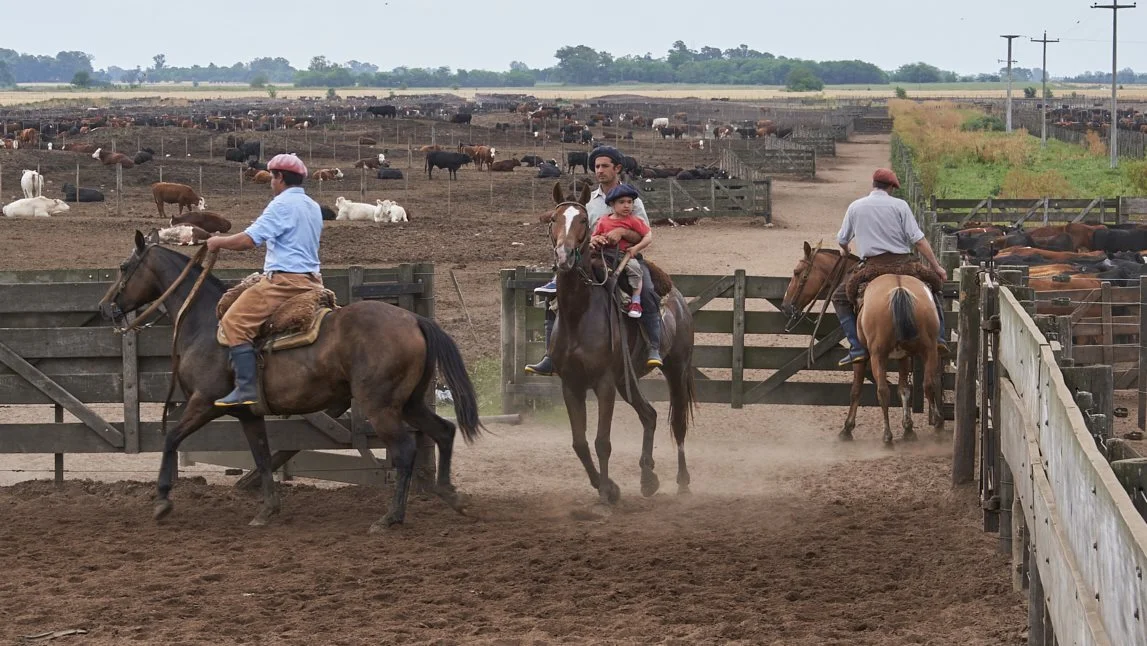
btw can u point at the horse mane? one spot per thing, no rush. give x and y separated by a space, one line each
182 260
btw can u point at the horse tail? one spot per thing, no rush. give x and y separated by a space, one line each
682 403
903 307
441 350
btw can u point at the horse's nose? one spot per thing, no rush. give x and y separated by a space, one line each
787 309
107 310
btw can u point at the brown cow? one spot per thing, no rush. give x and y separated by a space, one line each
29 137
328 174
111 159
430 148
206 220
181 194
483 156
505 166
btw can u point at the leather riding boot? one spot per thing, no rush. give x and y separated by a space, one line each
653 329
941 344
848 324
246 391
545 367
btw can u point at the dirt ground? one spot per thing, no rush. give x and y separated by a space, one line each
788 538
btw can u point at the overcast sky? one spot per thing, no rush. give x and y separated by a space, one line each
487 34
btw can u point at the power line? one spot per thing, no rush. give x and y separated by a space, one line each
1113 127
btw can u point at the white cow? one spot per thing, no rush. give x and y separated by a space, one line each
40 207
348 210
390 211
32 183
660 122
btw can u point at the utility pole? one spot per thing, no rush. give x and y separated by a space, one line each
1113 127
1010 37
1043 97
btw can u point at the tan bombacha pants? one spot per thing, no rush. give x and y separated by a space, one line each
242 320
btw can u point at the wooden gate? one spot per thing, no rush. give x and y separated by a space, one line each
56 350
705 198
731 314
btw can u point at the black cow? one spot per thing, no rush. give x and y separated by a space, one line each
143 156
235 155
1120 239
747 133
389 173
328 212
630 165
257 165
575 159
586 136
547 170
86 194
383 111
447 160
463 117
532 160
250 149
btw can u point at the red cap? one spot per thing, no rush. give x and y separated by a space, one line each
289 163
882 175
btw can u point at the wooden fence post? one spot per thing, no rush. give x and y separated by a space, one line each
737 384
130 392
1142 386
967 361
508 374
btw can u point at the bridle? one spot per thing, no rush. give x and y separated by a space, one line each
585 276
830 285
138 322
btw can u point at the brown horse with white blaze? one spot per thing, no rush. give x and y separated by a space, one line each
898 321
588 351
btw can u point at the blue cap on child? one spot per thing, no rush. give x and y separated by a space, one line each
620 191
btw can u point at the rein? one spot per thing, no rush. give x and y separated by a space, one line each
175 356
137 323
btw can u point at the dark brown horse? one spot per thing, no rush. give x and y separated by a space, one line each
382 356
898 321
588 354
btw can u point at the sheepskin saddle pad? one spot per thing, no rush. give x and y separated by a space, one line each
296 323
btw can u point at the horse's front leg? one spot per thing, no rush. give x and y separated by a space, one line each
255 429
196 413
933 390
605 390
905 388
854 401
880 376
648 416
574 397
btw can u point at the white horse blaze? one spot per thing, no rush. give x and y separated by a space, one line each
570 214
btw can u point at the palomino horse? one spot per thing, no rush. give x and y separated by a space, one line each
587 351
898 321
382 356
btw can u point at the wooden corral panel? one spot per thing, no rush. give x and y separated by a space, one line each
672 198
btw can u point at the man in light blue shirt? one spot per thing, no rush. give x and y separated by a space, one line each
290 227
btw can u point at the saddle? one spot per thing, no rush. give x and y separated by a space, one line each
296 322
872 269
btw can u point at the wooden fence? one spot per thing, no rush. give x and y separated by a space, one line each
1072 523
822 140
872 125
56 350
742 365
765 156
1039 212
1132 144
706 198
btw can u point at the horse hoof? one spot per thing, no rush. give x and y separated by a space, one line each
888 443
388 522
456 501
649 483
263 518
612 492
909 436
162 509
845 436
683 490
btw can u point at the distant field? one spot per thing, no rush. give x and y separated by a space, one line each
36 93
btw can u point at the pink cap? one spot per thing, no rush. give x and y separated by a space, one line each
287 162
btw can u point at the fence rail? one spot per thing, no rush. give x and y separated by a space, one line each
676 199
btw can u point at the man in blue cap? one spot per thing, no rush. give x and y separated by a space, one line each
607 166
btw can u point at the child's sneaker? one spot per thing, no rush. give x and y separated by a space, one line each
634 310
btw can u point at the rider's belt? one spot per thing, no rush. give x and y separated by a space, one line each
887 257
312 274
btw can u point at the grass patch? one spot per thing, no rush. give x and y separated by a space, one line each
959 156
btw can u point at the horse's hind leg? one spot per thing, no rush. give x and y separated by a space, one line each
679 409
402 450
575 408
880 376
648 416
419 415
933 390
198 412
854 401
256 431
905 388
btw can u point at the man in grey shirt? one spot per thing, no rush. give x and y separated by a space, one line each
884 232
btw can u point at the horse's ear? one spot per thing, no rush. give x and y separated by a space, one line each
807 250
583 199
140 242
559 197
